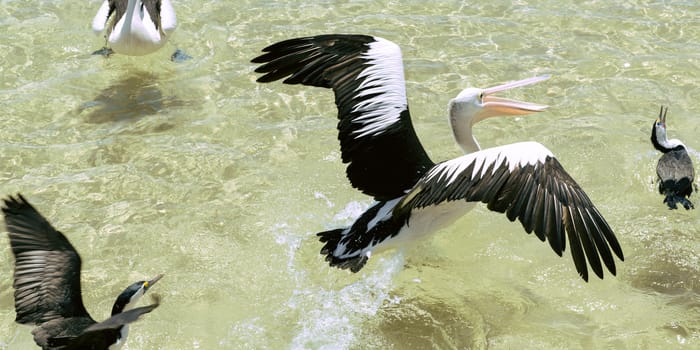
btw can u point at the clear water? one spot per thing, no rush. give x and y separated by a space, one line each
195 171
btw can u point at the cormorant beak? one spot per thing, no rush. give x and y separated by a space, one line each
502 106
151 282
662 117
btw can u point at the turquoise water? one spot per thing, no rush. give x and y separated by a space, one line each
196 171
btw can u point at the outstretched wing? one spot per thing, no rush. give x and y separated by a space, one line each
102 335
126 317
526 182
47 267
375 131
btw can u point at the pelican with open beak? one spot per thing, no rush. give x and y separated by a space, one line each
416 197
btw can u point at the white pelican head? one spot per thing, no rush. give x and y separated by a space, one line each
474 104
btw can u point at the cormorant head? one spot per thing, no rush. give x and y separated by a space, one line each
128 298
658 134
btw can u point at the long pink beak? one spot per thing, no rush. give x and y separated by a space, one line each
503 106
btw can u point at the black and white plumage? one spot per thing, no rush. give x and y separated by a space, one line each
135 27
47 287
675 169
416 197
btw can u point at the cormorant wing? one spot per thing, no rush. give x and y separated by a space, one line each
102 335
375 131
526 182
47 267
676 165
125 317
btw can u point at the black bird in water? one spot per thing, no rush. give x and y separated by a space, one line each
47 287
415 196
675 169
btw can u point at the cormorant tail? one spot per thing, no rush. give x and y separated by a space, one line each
672 199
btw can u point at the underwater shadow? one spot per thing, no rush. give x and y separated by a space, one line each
132 98
418 323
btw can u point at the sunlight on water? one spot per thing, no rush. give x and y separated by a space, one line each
194 170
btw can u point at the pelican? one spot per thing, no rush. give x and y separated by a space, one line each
675 169
135 27
47 287
415 196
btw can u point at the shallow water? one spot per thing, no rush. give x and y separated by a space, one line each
195 171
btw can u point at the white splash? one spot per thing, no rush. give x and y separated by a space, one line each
351 212
331 314
332 318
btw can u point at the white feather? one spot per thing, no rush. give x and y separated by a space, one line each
100 20
384 213
167 17
384 76
512 155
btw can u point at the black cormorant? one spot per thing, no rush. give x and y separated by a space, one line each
675 169
47 287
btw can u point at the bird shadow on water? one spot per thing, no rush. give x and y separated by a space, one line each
423 323
131 99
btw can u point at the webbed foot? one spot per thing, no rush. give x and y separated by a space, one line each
179 56
105 51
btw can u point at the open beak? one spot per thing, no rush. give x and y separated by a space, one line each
153 281
502 106
662 116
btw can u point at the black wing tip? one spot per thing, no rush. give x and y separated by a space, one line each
13 203
600 274
267 78
353 264
18 209
584 276
331 239
282 48
16 206
259 59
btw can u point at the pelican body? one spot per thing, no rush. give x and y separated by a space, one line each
675 168
135 27
414 196
47 287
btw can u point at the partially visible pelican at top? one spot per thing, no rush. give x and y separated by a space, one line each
135 27
415 196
